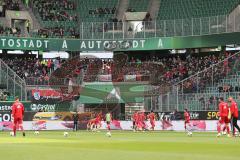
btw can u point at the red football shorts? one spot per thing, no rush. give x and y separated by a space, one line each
152 123
18 121
186 123
221 121
139 124
225 119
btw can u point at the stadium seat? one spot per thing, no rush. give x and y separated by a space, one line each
183 9
139 5
85 6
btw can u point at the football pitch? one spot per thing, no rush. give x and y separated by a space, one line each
123 145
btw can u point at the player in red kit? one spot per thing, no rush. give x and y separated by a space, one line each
91 124
187 124
234 115
140 121
151 117
98 120
17 114
221 122
224 119
134 120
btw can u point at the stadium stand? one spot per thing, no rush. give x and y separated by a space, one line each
58 18
189 17
171 69
66 19
9 5
201 92
138 6
32 70
6 31
183 9
97 10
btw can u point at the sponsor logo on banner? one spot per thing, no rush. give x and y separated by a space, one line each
36 95
39 125
5 116
167 125
115 124
5 126
45 94
195 115
5 107
45 107
212 115
198 125
105 78
128 78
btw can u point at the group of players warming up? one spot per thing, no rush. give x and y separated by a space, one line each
138 119
95 123
228 114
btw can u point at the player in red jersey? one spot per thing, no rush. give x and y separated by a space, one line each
17 114
140 121
187 124
91 124
234 115
223 117
98 120
220 122
134 120
151 117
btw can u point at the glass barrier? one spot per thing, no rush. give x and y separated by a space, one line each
142 29
12 82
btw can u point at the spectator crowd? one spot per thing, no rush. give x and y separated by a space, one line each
55 10
60 32
33 69
159 71
8 5
7 31
102 11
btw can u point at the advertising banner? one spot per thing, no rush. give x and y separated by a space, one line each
35 111
156 43
130 78
7 106
195 115
105 78
197 125
45 95
49 105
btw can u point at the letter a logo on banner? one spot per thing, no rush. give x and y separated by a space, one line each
115 93
160 44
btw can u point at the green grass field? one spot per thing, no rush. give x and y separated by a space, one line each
121 146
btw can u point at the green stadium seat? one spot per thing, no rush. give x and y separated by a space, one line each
139 5
85 6
183 9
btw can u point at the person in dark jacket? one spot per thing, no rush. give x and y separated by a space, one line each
75 121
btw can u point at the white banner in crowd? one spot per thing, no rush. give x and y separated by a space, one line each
105 78
198 125
130 78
